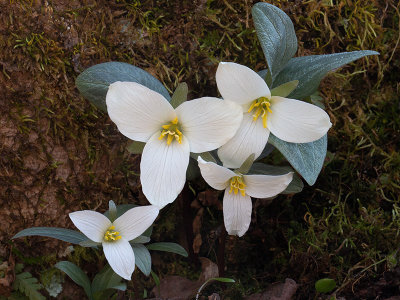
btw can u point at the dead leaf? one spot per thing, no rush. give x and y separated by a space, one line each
277 291
177 287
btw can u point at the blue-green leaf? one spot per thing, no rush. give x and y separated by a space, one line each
307 158
121 209
106 279
93 83
276 34
76 274
142 258
66 235
168 247
309 70
325 285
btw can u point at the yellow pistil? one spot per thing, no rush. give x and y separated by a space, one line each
237 184
172 131
261 107
111 235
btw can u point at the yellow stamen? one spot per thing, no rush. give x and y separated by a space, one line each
261 106
237 184
111 235
172 130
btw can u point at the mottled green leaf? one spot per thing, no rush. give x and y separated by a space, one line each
276 34
93 83
168 247
306 158
142 258
309 70
77 275
66 235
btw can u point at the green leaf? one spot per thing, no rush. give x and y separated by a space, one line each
29 286
246 165
135 147
112 209
89 244
325 285
66 235
276 34
180 95
207 156
76 274
285 89
93 83
142 258
295 186
141 239
106 279
168 247
307 158
220 279
309 70
193 171
121 209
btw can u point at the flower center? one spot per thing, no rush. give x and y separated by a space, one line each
237 184
172 131
111 235
261 107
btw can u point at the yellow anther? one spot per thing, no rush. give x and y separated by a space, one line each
237 184
111 235
172 130
261 106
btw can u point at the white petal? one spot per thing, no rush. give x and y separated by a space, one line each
163 169
296 121
237 213
250 138
91 223
265 186
208 122
137 110
135 221
240 84
120 256
215 175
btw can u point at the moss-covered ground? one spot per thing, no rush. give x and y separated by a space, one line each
59 154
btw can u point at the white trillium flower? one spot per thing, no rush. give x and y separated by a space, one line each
290 120
115 236
239 189
170 134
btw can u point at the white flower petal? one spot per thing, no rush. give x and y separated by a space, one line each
91 223
265 186
240 84
296 121
216 176
135 221
250 138
120 256
208 122
137 110
163 169
237 213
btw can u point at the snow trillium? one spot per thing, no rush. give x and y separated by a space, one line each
170 134
290 120
115 236
239 188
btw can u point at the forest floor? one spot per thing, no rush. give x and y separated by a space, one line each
59 154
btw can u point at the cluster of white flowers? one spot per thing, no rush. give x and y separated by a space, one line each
238 126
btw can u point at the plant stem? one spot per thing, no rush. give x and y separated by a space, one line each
187 198
221 252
